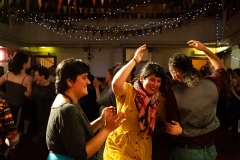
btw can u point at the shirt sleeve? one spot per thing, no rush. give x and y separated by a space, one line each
171 107
73 133
125 98
218 77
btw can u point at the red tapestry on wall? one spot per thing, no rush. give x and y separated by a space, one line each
6 55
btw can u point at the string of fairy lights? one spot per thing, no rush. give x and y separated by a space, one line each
235 57
72 28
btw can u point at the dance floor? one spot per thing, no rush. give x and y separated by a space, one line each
162 147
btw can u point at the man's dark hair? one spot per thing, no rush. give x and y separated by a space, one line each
43 71
69 69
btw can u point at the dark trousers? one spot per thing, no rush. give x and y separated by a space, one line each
235 115
222 111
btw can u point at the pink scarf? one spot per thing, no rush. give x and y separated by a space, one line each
146 107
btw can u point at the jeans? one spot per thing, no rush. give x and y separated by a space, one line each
208 153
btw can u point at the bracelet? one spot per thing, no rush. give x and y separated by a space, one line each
135 60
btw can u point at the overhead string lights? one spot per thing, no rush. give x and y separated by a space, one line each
218 23
235 57
106 28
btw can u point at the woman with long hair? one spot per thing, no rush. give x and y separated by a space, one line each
18 83
141 103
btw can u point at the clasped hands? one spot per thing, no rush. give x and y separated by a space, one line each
112 119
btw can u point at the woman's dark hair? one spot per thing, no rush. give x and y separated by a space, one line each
33 68
43 71
184 63
110 70
155 69
1 71
69 69
17 62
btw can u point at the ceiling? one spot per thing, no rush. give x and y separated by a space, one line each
97 9
85 15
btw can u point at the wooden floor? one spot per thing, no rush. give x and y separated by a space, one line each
162 148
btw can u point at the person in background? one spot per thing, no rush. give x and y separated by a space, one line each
141 102
234 84
9 133
31 71
1 71
18 83
2 88
43 94
224 100
28 109
89 103
69 133
206 70
235 73
235 107
52 73
191 106
106 98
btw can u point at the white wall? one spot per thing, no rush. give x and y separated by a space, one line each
105 58
108 53
235 58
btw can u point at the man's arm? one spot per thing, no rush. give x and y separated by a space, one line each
215 61
172 119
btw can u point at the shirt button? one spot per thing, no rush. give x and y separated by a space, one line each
136 142
136 150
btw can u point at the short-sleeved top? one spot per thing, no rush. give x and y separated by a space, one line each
68 131
127 142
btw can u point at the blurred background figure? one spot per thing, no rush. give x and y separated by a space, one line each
43 95
89 103
104 99
52 73
2 88
206 70
18 84
28 108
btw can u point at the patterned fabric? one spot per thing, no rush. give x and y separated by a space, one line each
6 122
146 107
128 142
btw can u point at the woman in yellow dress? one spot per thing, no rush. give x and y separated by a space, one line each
142 102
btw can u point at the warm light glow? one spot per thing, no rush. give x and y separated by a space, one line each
220 49
2 55
43 47
202 53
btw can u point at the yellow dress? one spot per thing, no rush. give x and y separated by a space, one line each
127 142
